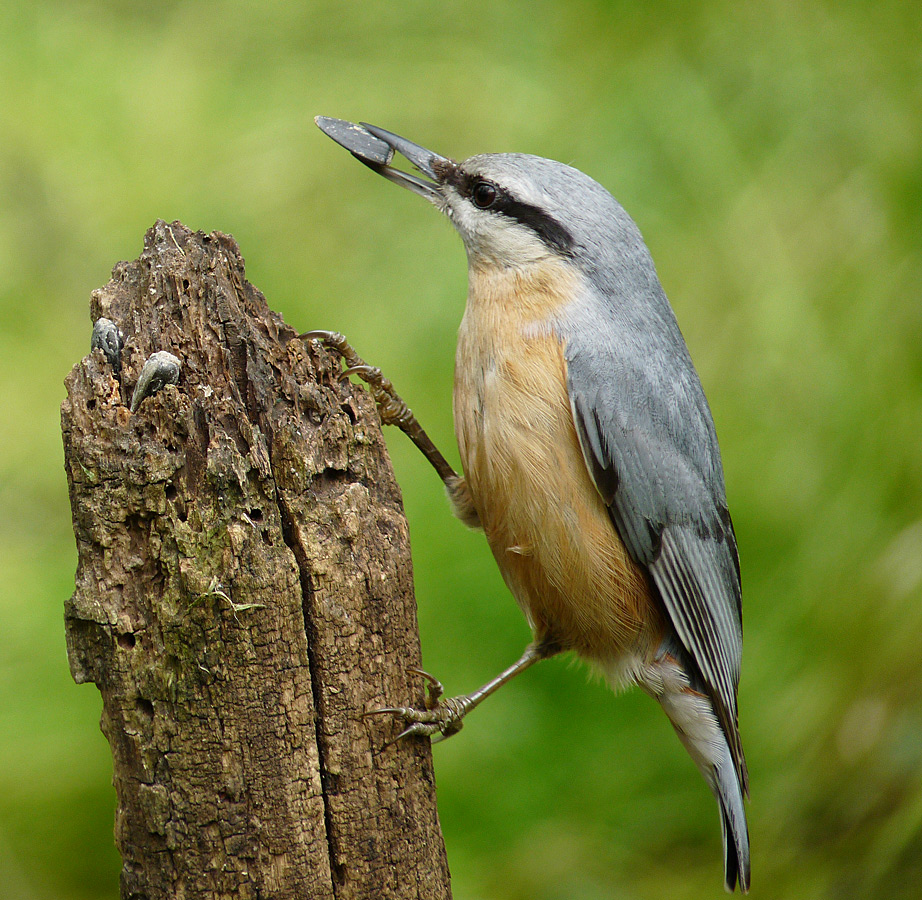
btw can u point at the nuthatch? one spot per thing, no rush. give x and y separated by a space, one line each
589 453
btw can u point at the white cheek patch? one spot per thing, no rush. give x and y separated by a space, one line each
493 238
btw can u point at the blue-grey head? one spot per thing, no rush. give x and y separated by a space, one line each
510 209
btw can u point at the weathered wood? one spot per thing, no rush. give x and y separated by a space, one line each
243 595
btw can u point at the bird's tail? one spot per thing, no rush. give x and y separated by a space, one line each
692 715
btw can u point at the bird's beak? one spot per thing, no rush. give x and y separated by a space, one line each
375 148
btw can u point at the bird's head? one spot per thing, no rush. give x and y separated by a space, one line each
511 209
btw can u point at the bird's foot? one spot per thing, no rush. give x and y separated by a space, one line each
439 717
392 409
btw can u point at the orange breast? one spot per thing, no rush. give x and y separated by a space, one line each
546 524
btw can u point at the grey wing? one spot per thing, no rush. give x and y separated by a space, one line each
649 442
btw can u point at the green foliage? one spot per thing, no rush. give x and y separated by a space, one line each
771 154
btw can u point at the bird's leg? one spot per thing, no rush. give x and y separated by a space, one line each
391 407
439 717
445 717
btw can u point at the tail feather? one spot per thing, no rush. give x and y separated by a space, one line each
726 788
691 713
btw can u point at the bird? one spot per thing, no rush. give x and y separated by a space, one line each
589 454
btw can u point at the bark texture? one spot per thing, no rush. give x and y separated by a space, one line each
243 595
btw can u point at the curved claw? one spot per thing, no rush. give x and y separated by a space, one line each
437 730
441 719
355 364
422 722
367 373
389 710
416 670
420 729
326 337
434 689
391 408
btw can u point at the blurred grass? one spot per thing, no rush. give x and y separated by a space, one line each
772 155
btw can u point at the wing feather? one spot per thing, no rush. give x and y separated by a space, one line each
649 443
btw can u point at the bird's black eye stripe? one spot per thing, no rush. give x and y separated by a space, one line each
487 195
492 197
555 235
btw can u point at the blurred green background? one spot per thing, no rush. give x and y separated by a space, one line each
771 153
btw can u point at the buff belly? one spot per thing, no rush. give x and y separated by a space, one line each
546 523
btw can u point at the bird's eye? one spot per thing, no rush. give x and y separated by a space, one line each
483 194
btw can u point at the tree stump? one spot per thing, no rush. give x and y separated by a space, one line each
243 595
